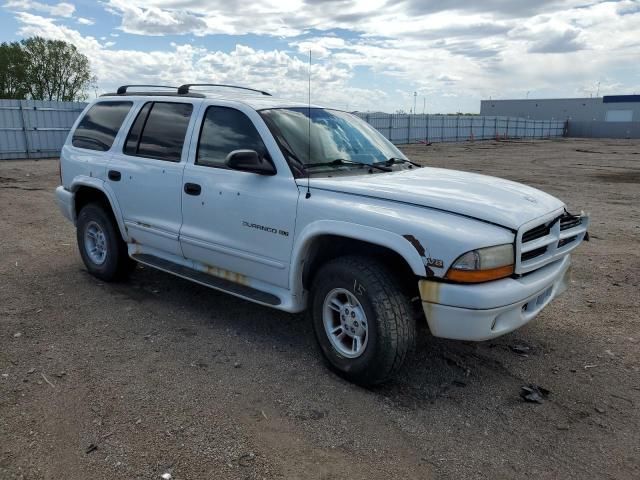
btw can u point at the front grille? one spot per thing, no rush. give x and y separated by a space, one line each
533 253
568 221
566 241
546 242
536 232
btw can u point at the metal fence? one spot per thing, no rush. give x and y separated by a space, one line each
35 128
404 128
38 129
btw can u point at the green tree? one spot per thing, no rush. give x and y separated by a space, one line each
12 71
55 70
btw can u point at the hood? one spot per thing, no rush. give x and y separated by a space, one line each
490 199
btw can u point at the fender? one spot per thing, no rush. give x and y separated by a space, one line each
101 185
377 236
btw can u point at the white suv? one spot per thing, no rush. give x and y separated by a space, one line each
298 207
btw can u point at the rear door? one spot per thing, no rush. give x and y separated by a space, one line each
146 172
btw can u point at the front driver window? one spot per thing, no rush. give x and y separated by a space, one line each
224 130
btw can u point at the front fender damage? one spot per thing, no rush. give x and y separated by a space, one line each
427 259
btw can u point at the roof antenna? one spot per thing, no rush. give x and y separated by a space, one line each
308 195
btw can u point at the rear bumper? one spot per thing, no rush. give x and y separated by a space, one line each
65 201
488 310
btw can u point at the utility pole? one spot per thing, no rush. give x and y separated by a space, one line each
415 97
598 90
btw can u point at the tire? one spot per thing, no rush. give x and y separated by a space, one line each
389 336
110 261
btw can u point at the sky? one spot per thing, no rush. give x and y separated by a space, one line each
370 55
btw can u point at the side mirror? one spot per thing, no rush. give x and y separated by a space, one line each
249 161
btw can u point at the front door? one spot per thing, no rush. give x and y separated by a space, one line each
146 174
237 221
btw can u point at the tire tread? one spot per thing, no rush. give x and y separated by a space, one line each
398 331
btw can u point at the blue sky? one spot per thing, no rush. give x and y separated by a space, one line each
367 55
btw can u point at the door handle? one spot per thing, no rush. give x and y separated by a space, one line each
192 189
114 175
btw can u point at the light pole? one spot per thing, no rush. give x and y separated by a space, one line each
415 97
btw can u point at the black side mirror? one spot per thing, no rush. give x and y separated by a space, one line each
249 161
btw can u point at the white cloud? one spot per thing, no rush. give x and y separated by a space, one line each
62 9
156 21
280 18
454 52
446 56
320 47
85 21
276 71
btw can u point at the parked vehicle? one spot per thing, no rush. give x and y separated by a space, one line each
299 207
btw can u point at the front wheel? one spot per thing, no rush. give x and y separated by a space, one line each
362 319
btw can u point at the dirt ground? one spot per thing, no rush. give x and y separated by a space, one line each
165 376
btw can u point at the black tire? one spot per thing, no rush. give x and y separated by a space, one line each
117 264
391 326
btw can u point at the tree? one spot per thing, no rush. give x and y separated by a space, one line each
13 83
55 70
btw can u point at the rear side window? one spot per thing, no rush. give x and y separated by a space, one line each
159 131
224 130
98 128
131 145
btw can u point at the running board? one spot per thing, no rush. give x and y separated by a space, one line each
207 280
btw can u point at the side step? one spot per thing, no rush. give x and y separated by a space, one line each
207 280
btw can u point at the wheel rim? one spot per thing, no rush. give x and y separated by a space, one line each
95 243
345 323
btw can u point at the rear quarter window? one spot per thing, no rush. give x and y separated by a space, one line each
98 128
159 131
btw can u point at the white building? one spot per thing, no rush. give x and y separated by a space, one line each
612 108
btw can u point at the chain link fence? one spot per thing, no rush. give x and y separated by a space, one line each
405 128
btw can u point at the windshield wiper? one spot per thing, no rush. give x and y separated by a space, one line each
397 160
342 161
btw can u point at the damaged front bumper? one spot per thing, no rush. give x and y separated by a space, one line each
488 310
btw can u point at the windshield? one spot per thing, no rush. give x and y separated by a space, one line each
335 135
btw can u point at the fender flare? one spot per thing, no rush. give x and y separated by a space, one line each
102 186
376 236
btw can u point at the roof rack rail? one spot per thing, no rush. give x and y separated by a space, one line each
184 89
123 89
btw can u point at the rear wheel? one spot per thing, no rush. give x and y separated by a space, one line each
102 249
362 319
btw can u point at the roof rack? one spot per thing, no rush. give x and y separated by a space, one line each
184 89
123 89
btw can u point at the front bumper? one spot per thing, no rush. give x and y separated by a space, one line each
488 310
65 201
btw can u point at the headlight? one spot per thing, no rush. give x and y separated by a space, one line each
482 265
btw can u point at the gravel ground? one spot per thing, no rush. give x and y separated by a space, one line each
159 375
